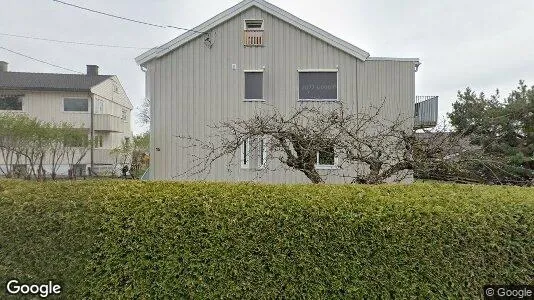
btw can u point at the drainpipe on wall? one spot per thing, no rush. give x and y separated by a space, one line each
92 132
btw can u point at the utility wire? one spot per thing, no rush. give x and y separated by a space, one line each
126 19
72 42
39 60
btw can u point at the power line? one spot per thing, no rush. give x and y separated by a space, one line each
126 19
72 42
39 60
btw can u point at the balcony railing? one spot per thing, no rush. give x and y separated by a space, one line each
106 122
425 112
253 38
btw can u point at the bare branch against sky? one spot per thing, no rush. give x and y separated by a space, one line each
482 44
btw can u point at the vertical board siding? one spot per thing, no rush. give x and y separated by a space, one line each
195 86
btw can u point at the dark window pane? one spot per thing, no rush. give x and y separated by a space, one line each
71 104
254 85
10 103
318 85
326 157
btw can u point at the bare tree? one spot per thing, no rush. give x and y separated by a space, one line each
445 155
366 146
144 112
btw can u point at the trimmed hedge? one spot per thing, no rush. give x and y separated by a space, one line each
126 239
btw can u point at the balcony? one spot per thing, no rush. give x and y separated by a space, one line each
106 122
425 112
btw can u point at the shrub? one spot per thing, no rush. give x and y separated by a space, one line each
122 239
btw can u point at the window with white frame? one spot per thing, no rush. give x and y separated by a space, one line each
253 24
318 85
326 159
254 85
76 104
262 152
245 154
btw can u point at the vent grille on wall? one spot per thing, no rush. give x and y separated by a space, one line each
253 33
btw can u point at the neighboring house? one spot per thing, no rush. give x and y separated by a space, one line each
68 98
250 56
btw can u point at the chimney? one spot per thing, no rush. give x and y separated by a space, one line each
3 66
92 70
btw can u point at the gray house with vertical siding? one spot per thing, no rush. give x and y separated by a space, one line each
251 56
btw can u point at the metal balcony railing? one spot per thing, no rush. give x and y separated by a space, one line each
253 38
425 112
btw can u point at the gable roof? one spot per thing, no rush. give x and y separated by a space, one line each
237 9
49 81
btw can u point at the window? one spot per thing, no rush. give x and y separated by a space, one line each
124 115
417 107
74 104
318 85
245 154
10 102
326 159
99 106
99 141
262 152
253 85
253 24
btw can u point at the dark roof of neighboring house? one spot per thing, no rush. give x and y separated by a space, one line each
49 81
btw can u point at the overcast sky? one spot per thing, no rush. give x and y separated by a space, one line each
484 44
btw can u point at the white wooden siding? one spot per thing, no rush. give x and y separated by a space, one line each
195 86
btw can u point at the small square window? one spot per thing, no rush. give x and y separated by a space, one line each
326 159
253 85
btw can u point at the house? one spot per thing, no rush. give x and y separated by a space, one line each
252 55
94 102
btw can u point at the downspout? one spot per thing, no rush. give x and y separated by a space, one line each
92 133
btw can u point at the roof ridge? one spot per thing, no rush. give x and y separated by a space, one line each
43 73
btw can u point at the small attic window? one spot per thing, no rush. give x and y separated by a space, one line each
253 24
253 33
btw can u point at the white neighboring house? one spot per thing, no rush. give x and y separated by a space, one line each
68 98
253 55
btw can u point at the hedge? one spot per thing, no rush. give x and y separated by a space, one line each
156 240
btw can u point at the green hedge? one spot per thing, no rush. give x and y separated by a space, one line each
126 239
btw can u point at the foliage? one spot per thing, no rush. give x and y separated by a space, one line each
25 140
144 240
502 129
134 152
144 112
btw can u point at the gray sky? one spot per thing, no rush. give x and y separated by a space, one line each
484 44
